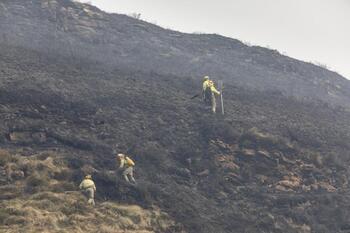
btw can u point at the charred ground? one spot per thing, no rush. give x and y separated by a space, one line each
77 89
84 32
272 164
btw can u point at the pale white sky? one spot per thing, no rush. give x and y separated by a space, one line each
310 30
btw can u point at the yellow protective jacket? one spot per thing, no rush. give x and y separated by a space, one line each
213 90
126 162
206 84
87 183
210 84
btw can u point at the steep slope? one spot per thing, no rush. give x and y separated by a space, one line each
40 198
273 163
84 32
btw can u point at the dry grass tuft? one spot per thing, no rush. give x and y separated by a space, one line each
6 157
61 212
44 200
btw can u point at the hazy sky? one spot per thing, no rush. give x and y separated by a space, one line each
310 30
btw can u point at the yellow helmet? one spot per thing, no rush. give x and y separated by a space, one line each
88 177
206 78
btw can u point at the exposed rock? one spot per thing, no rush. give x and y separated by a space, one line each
206 172
326 186
248 152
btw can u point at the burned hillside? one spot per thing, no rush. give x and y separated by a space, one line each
272 163
84 32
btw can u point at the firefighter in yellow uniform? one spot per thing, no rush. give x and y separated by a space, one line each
88 187
127 165
206 81
208 92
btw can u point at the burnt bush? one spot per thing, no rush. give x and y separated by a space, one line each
36 180
211 128
5 157
77 176
78 207
334 160
151 153
74 163
254 139
44 156
185 152
63 186
64 174
4 215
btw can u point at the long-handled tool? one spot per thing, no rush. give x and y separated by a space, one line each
221 86
195 96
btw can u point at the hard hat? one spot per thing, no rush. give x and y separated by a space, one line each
88 177
206 78
120 155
